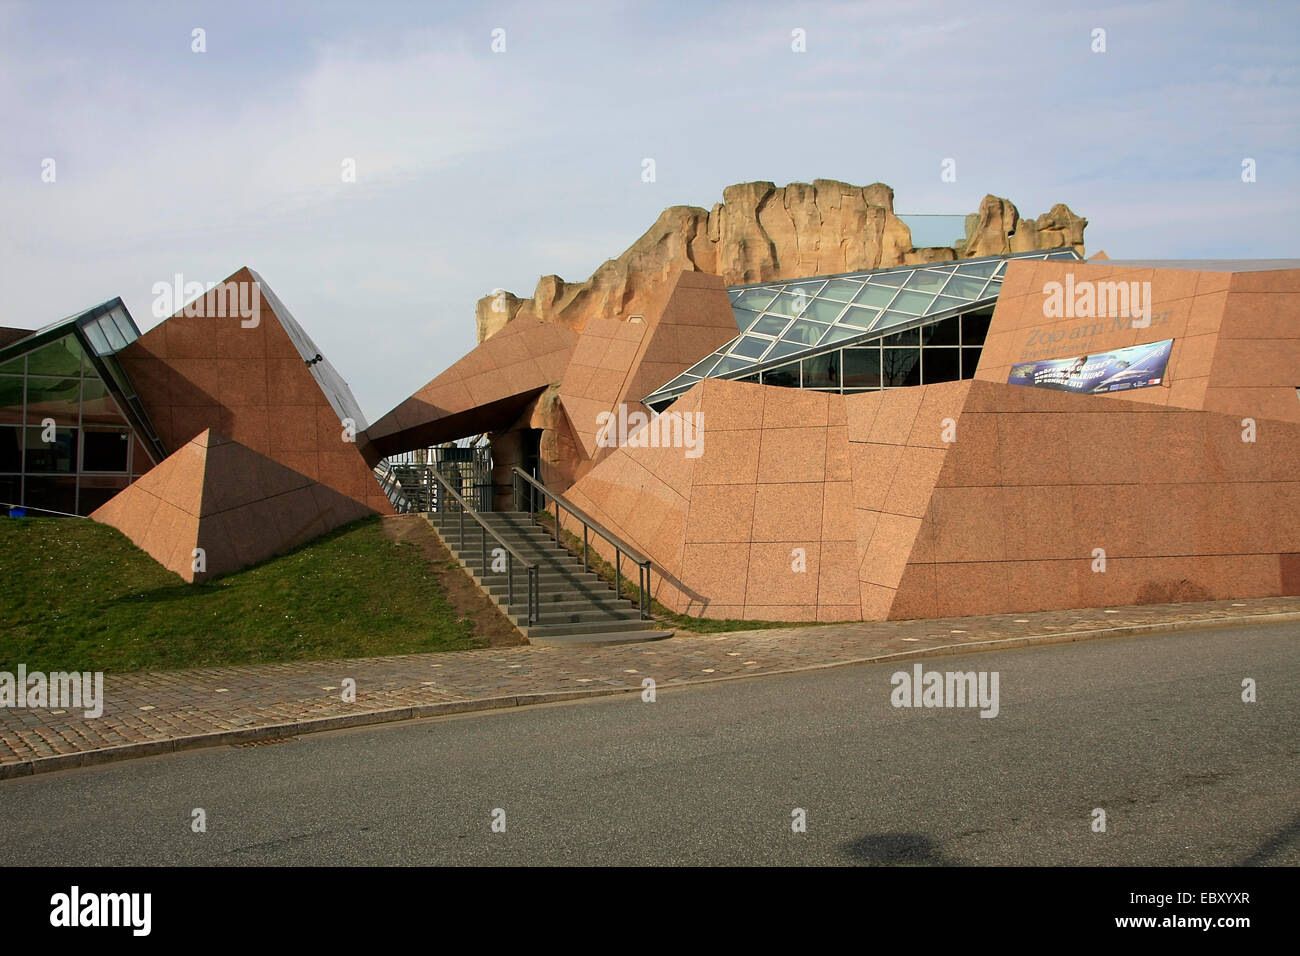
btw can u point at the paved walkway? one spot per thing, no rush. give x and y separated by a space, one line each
158 712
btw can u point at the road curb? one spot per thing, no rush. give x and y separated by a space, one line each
152 748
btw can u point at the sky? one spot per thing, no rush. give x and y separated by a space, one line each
478 169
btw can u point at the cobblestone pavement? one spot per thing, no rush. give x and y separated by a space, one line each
167 710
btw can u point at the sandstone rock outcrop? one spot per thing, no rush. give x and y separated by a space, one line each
762 232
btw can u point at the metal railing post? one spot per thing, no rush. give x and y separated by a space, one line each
618 576
585 566
534 599
483 538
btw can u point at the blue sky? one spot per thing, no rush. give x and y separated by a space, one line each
478 170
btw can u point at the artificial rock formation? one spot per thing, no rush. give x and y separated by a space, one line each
762 232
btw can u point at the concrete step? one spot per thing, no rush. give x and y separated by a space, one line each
474 556
537 555
549 617
594 595
598 639
545 579
586 627
561 608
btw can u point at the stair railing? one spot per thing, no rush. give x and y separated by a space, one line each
526 483
534 596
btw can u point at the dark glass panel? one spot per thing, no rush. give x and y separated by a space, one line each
905 337
964 287
901 367
787 376
96 490
839 333
804 332
13 366
104 449
970 360
682 382
875 295
97 405
822 371
11 490
940 333
914 303
927 280
116 340
56 398
823 310
892 278
730 364
980 268
97 339
750 347
51 494
859 318
782 349
11 399
842 290
975 327
940 365
124 326
790 304
704 366
61 357
771 324
59 455
11 449
755 300
862 368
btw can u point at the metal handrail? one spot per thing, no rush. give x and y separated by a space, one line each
534 598
621 547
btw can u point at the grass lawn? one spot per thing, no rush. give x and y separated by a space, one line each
77 595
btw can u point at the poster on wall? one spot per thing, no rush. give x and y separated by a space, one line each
1137 366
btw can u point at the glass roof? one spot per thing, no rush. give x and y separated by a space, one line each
782 319
98 334
108 327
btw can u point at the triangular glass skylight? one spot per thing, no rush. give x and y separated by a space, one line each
783 319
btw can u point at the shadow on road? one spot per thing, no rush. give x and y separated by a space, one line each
1274 845
896 849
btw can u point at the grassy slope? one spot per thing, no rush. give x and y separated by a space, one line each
79 595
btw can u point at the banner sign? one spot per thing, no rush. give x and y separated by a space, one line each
1117 370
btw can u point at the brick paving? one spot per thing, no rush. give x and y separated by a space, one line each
167 709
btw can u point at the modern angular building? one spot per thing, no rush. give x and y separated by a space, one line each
956 434
1017 432
222 428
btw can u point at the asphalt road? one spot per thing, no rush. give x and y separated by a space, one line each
1152 730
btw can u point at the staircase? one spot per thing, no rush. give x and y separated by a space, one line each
576 606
